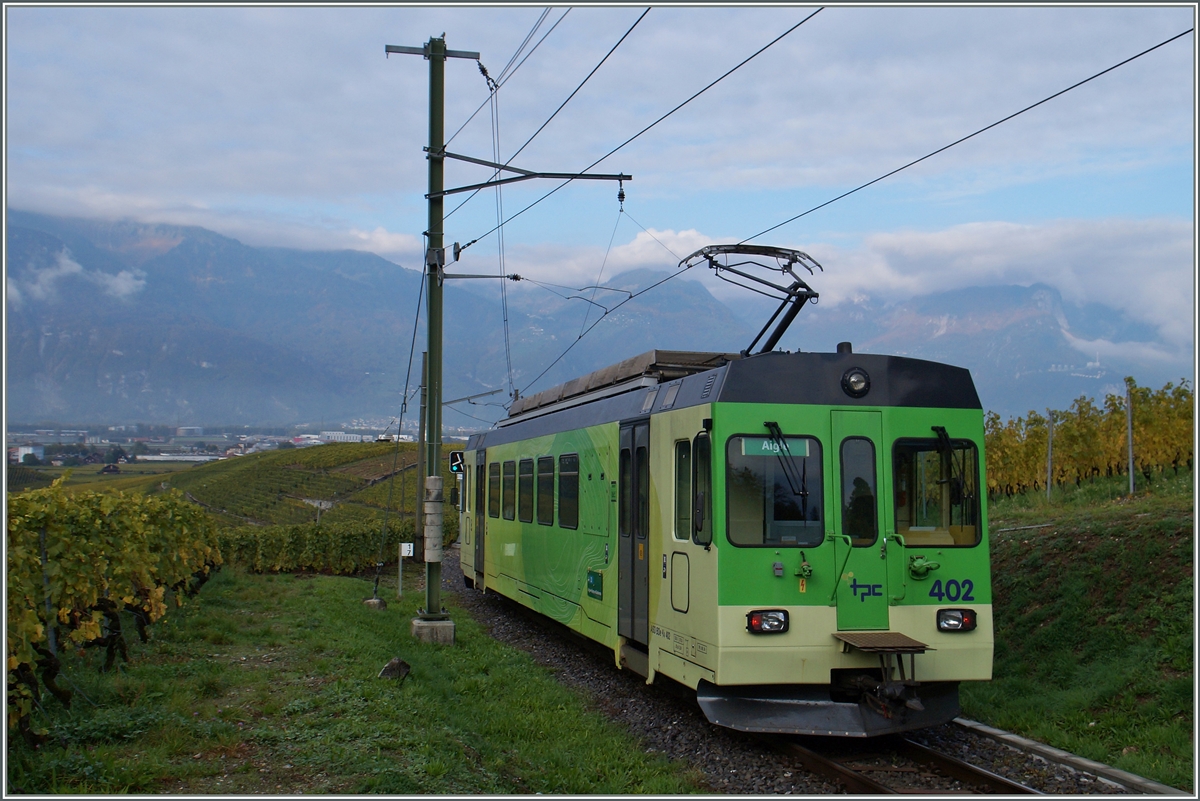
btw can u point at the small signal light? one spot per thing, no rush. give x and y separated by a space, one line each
956 620
767 621
457 464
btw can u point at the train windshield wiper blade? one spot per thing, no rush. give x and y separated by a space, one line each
797 480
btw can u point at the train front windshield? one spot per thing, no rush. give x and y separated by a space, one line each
775 491
937 492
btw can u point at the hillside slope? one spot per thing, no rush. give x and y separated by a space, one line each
1095 630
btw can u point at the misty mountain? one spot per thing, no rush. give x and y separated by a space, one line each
123 322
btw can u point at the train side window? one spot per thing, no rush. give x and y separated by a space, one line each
937 492
859 500
525 491
625 482
510 490
545 490
683 490
568 490
494 489
774 492
702 490
641 456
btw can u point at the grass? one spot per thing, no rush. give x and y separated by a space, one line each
267 684
1094 597
137 477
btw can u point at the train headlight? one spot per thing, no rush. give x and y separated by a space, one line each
767 621
856 383
956 620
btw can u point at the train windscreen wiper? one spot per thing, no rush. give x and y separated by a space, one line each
957 473
797 478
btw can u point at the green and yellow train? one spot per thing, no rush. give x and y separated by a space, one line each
799 537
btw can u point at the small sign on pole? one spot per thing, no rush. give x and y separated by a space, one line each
406 549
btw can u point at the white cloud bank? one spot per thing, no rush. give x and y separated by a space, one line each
42 284
1144 268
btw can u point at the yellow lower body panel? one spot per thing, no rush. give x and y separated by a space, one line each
808 651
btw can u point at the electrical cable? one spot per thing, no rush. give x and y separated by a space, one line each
633 295
600 275
734 69
560 108
677 257
387 507
839 197
504 78
545 13
500 244
581 85
965 138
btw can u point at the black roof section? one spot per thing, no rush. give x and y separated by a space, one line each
639 387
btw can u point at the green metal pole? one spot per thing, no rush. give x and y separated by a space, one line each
433 414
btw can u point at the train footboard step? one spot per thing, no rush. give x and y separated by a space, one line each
809 709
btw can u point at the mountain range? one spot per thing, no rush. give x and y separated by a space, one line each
122 322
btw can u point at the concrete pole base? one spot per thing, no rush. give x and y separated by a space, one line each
435 631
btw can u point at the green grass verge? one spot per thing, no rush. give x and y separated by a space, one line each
267 684
1094 625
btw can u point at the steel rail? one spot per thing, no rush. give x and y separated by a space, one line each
853 781
963 771
856 782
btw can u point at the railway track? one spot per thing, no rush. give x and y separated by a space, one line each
894 765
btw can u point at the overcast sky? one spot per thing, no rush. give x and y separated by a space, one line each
288 126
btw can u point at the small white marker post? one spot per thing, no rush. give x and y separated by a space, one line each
406 549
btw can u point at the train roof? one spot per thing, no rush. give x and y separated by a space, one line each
658 381
656 365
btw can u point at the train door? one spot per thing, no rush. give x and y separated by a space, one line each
862 593
633 516
480 514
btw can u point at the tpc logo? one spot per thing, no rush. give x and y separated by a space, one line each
868 590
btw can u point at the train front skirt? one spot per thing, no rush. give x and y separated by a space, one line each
809 709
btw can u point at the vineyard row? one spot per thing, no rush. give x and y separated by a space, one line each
1090 440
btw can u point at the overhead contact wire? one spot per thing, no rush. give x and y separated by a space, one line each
965 138
504 78
734 69
500 244
560 108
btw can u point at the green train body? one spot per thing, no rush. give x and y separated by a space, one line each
799 537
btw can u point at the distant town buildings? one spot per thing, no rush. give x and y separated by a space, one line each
189 431
340 436
21 451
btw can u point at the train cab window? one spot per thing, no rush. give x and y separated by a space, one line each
545 490
568 490
683 490
702 490
510 490
494 489
774 491
860 503
525 491
937 491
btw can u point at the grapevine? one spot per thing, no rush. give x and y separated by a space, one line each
1090 440
75 561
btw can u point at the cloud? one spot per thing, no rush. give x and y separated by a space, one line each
1144 268
42 283
12 294
121 285
1148 354
282 109
385 242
